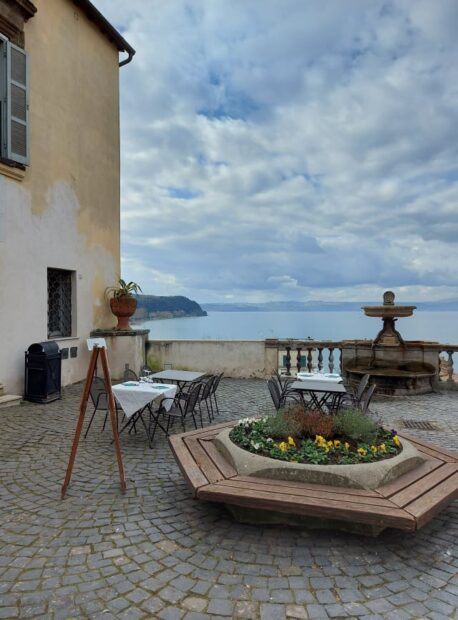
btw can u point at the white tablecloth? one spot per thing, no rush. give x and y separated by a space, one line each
319 376
134 395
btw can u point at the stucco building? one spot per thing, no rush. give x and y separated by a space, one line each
59 179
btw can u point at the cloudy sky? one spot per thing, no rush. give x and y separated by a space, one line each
290 149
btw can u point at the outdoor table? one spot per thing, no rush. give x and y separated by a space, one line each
180 377
136 396
324 395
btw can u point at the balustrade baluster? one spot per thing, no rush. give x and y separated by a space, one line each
320 359
331 360
309 360
288 360
450 366
298 359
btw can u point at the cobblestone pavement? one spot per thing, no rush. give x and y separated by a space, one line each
157 553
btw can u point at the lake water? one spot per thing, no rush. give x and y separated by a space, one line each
423 325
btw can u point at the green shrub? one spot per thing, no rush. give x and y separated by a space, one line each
282 425
355 425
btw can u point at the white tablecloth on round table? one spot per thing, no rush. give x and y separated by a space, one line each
134 395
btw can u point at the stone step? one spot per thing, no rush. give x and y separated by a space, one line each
10 400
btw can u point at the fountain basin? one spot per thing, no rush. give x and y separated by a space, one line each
388 311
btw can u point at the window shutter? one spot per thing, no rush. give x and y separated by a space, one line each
17 104
3 106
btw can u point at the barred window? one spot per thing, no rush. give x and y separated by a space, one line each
59 303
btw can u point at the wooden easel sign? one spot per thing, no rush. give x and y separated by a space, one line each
99 349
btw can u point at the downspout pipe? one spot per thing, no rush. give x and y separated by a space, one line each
126 61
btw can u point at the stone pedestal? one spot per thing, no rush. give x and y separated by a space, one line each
124 347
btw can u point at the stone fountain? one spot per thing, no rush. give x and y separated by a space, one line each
395 366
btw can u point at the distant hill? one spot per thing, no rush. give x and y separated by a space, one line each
164 307
322 306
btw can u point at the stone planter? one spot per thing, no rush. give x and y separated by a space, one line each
358 476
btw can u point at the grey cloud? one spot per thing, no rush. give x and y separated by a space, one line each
318 141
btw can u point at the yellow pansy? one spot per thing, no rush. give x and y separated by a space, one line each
396 441
283 446
374 449
382 447
336 443
361 451
319 439
291 441
347 445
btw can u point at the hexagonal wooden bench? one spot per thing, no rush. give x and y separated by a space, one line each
406 503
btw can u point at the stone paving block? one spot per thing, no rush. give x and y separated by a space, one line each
271 611
317 612
246 609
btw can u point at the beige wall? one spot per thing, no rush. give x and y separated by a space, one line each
236 358
63 212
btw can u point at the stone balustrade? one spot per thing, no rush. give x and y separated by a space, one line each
259 358
447 377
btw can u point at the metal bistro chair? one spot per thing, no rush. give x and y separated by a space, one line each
366 398
129 374
279 398
215 385
354 399
206 397
99 398
180 410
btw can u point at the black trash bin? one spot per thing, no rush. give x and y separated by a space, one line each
43 362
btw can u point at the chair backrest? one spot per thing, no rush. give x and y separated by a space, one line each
130 375
366 398
193 397
216 382
361 387
275 393
207 387
98 393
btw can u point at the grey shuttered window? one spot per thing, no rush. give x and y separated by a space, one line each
14 102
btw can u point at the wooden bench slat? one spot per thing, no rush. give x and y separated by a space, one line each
206 465
389 489
424 485
431 449
218 459
299 490
381 516
428 505
308 485
202 432
192 473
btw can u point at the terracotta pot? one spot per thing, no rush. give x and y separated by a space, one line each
123 308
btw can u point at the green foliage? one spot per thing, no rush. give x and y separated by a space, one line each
255 435
174 304
282 425
355 425
154 363
123 289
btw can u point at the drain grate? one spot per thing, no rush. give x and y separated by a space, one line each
422 425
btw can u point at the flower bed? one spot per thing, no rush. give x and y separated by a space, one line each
299 436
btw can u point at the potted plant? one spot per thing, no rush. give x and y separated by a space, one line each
123 302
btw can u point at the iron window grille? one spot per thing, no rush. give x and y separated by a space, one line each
59 303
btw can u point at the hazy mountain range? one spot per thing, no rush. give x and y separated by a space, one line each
321 306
